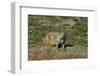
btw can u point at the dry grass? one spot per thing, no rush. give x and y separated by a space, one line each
48 53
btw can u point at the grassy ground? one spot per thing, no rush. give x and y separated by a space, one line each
48 53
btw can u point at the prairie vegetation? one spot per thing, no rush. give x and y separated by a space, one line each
76 29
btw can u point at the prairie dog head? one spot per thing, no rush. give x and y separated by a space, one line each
62 38
62 35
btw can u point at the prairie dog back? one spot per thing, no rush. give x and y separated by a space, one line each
51 38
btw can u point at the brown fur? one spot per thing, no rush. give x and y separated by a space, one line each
51 39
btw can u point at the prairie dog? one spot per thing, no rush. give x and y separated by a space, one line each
54 39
